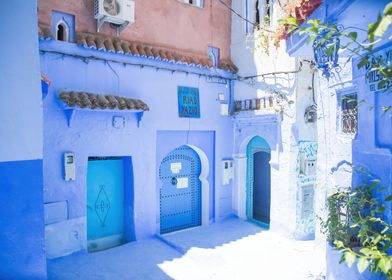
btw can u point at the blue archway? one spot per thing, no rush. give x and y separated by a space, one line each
258 181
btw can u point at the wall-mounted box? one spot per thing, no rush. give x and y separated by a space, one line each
224 108
227 171
69 166
308 167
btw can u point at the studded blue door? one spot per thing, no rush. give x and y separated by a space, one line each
180 193
105 203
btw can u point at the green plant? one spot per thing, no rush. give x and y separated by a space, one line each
361 233
368 58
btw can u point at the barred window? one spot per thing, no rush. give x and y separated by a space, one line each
349 114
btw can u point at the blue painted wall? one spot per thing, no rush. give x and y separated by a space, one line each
21 197
20 88
21 224
372 148
92 133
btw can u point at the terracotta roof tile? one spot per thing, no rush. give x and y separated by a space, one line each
95 101
117 46
148 52
45 79
91 42
125 47
114 45
140 50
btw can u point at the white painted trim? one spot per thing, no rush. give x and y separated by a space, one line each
205 185
240 185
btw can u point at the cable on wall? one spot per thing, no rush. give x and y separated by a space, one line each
241 17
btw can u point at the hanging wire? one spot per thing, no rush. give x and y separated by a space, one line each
271 73
241 17
189 119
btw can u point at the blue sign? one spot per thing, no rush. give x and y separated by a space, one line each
188 102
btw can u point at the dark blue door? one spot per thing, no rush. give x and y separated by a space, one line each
261 187
180 193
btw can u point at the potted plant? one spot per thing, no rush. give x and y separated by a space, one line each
358 233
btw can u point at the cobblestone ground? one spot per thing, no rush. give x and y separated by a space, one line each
233 249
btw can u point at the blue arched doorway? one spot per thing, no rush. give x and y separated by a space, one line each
180 193
258 188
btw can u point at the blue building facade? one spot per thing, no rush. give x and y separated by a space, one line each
367 143
176 106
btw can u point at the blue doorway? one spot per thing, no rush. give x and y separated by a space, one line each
180 192
258 190
105 203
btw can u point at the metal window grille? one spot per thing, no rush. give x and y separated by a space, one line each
349 114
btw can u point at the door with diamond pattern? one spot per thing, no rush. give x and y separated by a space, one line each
105 203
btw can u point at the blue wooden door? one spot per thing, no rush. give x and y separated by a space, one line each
180 193
261 187
105 203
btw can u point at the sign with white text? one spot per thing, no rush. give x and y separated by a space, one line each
373 76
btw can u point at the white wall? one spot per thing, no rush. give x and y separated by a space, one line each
282 130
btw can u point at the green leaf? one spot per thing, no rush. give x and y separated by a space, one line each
384 265
386 109
350 258
310 39
339 244
366 251
362 264
289 21
383 26
388 9
353 35
388 198
363 62
330 51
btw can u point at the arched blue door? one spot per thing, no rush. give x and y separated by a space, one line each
258 182
180 193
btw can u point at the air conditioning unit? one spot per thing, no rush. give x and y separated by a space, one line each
118 12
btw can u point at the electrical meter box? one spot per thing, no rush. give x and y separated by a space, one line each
308 167
227 171
69 166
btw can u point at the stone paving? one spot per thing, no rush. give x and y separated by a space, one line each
232 249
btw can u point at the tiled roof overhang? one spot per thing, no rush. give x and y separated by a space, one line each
115 45
85 100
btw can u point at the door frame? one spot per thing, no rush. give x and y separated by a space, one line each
251 148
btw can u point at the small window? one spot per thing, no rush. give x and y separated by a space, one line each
197 3
213 56
258 12
267 12
349 114
62 32
63 26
